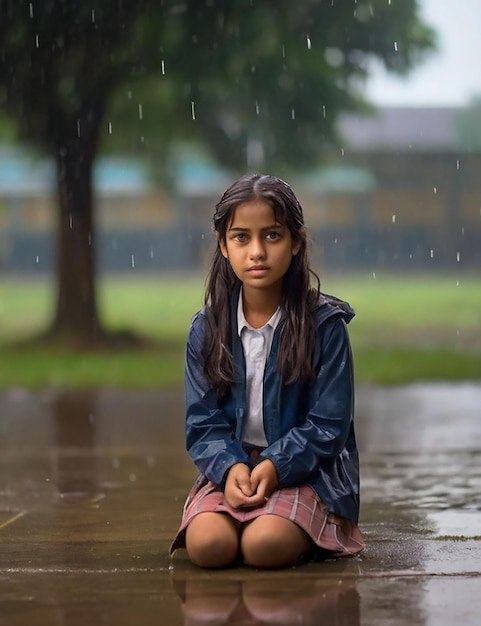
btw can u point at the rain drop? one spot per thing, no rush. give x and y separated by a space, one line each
162 67
78 128
141 112
283 51
116 463
435 189
395 46
431 254
257 108
293 114
374 275
70 221
36 41
31 10
192 110
457 164
37 259
91 418
393 219
308 40
133 260
93 16
324 111
132 478
110 128
458 256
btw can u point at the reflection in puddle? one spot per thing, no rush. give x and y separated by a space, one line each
76 470
253 602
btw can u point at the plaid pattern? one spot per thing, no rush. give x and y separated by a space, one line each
301 505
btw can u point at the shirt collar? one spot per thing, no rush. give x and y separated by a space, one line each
242 322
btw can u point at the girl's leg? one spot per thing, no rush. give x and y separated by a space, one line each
212 540
272 541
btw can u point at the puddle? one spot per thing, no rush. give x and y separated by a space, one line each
419 418
455 524
94 482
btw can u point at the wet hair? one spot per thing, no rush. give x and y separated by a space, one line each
299 297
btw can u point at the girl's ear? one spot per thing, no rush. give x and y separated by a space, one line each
296 246
297 242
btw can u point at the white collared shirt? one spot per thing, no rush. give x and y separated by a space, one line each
257 343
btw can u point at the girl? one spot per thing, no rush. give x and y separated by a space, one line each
269 395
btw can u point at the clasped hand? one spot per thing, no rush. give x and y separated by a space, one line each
245 488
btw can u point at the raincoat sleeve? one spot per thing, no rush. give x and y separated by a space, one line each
322 436
210 431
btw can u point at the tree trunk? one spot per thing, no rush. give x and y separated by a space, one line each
76 318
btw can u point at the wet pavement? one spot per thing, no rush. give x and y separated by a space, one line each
91 490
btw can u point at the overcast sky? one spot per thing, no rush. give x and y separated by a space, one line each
450 76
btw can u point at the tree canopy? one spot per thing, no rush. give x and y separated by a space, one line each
259 82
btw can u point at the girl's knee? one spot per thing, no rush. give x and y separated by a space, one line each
270 542
212 540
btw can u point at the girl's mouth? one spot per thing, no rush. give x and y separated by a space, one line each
258 269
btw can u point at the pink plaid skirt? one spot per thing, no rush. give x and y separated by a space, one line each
336 535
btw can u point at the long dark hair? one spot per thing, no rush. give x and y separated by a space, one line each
299 297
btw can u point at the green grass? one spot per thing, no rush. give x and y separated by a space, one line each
406 329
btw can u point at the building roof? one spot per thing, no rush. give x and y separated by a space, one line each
24 175
332 179
197 175
402 128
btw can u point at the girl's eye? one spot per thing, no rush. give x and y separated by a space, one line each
240 237
273 236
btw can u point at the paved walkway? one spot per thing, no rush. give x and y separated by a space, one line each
92 487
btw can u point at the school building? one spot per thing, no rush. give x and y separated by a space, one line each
401 193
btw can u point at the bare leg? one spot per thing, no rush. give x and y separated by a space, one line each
212 540
272 541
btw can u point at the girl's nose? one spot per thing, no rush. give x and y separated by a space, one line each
256 250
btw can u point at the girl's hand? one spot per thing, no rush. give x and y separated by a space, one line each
238 488
263 481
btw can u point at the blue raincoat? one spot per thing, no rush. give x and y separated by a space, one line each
309 426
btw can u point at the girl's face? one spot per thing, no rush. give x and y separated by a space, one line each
258 248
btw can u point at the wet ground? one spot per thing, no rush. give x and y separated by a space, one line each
91 490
